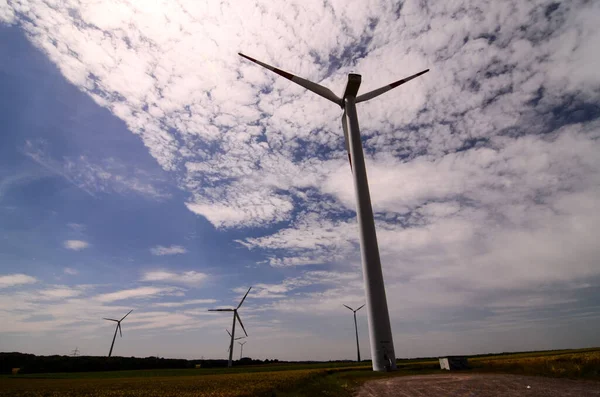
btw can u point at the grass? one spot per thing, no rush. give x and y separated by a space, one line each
284 379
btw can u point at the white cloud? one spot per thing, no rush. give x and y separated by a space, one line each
11 280
7 15
306 279
186 303
308 233
99 176
135 293
76 245
159 250
75 310
76 227
70 271
191 277
60 292
253 209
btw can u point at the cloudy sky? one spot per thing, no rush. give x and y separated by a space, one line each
144 165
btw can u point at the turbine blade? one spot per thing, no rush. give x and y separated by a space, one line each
220 310
119 326
361 307
109 319
244 298
241 323
379 91
346 137
349 307
309 85
126 315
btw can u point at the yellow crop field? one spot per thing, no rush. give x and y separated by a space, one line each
226 385
575 365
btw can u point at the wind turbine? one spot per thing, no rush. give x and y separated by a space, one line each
380 331
356 329
235 316
242 348
241 337
75 352
117 328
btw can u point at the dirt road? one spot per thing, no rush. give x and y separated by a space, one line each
478 385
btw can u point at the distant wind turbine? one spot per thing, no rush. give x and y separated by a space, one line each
242 348
238 338
117 328
236 316
75 352
356 330
380 330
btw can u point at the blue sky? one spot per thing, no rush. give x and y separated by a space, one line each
145 166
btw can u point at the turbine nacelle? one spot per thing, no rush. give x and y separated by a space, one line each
352 86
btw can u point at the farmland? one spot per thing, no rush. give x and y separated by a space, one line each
284 379
222 385
583 363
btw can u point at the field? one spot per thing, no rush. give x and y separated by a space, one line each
222 385
338 379
583 363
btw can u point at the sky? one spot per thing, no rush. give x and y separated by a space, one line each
144 165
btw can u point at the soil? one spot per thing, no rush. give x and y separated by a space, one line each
478 385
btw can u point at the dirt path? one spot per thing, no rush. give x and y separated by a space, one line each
478 385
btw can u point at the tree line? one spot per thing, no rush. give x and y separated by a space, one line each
32 364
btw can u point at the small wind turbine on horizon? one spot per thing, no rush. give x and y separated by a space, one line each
238 338
356 330
380 330
242 348
118 328
75 352
236 316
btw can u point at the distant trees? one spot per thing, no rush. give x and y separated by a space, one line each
30 363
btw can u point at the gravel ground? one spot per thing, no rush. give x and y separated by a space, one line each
478 385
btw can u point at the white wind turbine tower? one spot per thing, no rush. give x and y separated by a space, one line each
242 348
117 328
356 330
380 332
235 316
